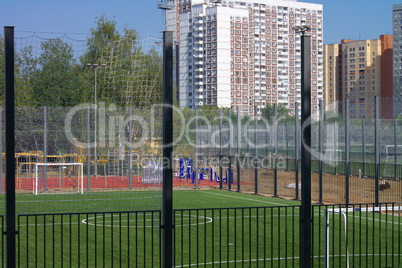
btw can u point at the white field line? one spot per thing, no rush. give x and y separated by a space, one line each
244 198
363 219
274 203
282 258
89 199
207 220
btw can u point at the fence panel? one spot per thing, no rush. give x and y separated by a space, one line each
130 239
358 235
361 235
237 237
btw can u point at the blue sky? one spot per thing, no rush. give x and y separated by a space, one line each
343 19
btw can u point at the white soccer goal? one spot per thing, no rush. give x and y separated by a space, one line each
58 178
345 212
391 151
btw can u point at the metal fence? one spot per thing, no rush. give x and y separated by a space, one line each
66 135
353 160
130 239
107 117
258 160
358 235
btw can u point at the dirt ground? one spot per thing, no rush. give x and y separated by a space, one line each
361 190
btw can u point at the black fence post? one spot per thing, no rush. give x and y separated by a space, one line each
196 164
167 140
321 150
10 145
377 150
297 146
363 148
395 149
255 150
239 134
45 152
130 152
275 136
88 149
305 209
287 145
230 134
220 149
1 149
347 151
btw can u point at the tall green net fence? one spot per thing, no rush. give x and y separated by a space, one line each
88 123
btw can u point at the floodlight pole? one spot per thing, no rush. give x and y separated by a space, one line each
305 209
95 68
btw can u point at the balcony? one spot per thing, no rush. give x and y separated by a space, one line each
199 21
199 89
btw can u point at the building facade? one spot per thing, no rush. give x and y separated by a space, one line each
244 53
359 71
397 58
332 77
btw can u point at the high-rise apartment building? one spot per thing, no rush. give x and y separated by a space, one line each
244 53
397 58
359 71
332 77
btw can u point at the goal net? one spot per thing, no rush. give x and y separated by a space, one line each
58 178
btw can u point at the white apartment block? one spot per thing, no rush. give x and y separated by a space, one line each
244 53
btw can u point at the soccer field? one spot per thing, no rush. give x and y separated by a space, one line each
213 228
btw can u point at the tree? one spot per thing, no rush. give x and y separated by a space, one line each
282 111
55 80
133 77
26 65
102 38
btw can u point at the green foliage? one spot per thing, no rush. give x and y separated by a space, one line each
54 81
139 72
101 40
283 113
50 74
